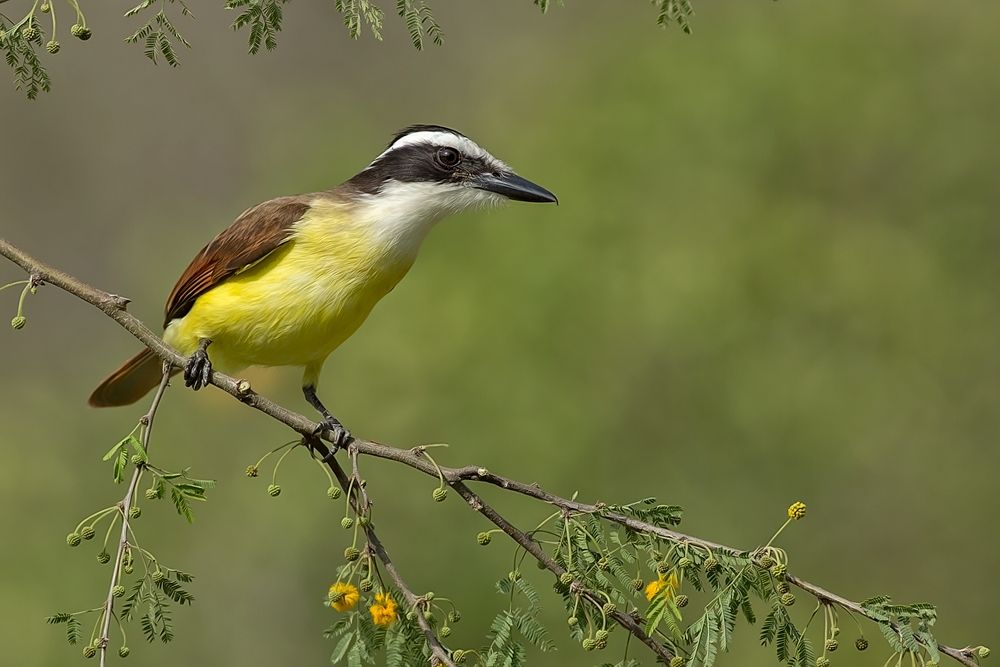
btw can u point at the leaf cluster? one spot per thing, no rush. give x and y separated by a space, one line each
361 641
20 55
156 33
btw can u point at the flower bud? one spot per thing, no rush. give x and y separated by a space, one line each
783 587
335 596
601 644
123 652
151 494
252 471
411 616
19 322
333 493
711 565
87 532
797 511
29 34
89 652
603 564
103 557
118 591
46 8
778 570
444 632
609 608
483 538
351 554
128 569
274 490
822 661
514 575
429 617
681 601
788 599
429 595
677 661
73 539
766 562
662 567
439 494
601 635
589 644
540 565
136 459
458 656
134 512
685 563
638 584
363 520
566 578
984 652
573 621
347 523
366 585
831 645
454 616
861 643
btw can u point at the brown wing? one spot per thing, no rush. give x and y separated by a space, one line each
256 233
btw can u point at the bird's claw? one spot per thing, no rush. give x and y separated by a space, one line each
339 435
198 370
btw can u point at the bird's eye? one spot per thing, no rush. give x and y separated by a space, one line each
448 157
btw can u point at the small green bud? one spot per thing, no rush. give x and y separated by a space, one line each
252 471
351 554
73 539
861 643
136 459
30 35
158 576
46 8
766 562
87 532
429 595
601 635
429 617
685 563
83 33
603 564
681 601
778 570
333 493
134 512
19 322
589 644
783 587
662 567
411 616
601 644
444 632
573 621
75 30
677 661
347 523
103 557
483 538
831 645
984 652
638 584
274 490
540 565
458 656
835 631
514 575
711 565
128 569
363 520
566 578
439 494
335 596
97 642
89 652
609 608
118 591
454 616
788 599
366 585
151 494
822 661
123 652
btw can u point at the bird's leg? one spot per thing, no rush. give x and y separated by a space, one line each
339 435
198 370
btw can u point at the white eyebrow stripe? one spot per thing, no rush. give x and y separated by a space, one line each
435 138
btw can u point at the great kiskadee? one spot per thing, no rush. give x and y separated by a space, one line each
294 277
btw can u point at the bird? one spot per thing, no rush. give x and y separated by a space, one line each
294 277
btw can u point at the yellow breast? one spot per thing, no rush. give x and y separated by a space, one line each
300 302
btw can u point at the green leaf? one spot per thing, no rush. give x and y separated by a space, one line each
341 649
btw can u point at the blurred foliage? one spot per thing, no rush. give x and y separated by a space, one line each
772 276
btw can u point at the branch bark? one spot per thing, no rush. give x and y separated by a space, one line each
115 307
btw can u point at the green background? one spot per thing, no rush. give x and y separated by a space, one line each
772 277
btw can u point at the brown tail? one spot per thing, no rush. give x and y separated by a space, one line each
129 383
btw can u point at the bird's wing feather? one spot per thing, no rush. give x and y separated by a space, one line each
254 235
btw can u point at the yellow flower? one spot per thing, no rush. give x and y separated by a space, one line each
384 610
658 586
348 596
797 511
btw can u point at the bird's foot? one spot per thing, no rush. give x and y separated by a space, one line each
198 370
339 435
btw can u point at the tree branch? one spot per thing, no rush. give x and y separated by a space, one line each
114 306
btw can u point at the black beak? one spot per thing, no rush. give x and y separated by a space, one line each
514 187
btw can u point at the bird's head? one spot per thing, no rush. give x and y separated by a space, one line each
431 171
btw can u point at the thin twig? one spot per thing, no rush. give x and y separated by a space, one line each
114 307
123 507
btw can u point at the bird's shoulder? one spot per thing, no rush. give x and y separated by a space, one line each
257 232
